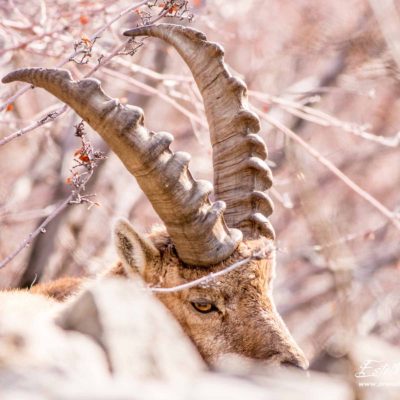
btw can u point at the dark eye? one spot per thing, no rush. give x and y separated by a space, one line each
204 307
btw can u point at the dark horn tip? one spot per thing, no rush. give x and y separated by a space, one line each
10 77
27 74
141 30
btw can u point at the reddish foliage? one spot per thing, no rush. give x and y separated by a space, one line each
84 20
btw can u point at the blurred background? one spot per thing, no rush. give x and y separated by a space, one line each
324 78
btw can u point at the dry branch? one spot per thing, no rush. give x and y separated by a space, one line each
210 277
74 53
390 215
87 159
324 119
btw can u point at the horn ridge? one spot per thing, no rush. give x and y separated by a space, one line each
239 153
196 226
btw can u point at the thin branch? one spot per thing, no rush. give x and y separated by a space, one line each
13 216
151 90
391 216
51 117
41 229
152 74
48 118
86 158
98 33
210 277
323 119
29 41
368 234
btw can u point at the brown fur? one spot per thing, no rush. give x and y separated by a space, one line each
246 322
60 289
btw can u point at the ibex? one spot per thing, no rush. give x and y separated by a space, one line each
235 313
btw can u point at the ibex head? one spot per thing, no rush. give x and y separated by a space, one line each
235 313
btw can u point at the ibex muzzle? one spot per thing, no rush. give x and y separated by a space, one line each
235 313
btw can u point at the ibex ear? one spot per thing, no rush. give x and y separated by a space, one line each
134 250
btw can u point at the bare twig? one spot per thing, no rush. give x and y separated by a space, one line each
369 234
41 229
103 61
87 158
27 42
98 33
52 116
210 277
48 118
152 74
323 119
391 216
13 216
151 90
64 108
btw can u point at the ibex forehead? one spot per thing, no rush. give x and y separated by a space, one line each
258 271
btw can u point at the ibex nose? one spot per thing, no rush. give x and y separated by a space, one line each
296 362
292 356
289 353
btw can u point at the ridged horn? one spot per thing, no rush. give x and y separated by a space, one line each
241 175
196 225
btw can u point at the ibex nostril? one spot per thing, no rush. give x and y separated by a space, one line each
296 361
293 364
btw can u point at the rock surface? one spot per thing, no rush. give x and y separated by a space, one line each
116 341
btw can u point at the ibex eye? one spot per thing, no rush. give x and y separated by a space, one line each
204 307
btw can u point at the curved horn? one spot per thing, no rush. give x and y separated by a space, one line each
195 225
240 173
